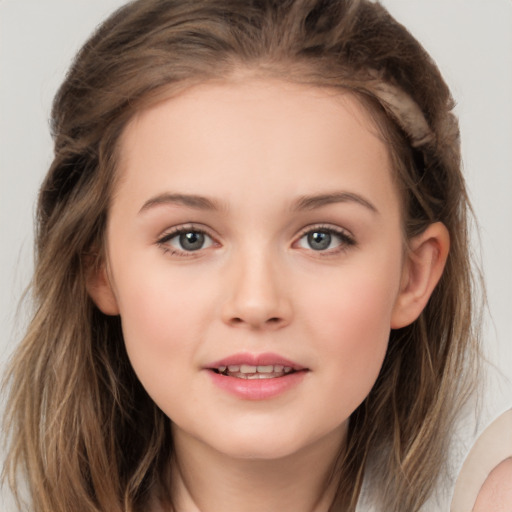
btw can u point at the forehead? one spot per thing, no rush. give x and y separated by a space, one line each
247 101
265 134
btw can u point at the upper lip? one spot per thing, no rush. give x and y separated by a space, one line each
265 359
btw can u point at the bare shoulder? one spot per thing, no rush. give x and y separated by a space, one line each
484 483
496 493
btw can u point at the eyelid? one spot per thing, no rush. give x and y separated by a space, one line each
170 233
347 239
345 236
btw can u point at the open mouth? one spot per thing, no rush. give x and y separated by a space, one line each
250 372
256 376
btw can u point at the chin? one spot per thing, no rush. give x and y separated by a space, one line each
267 441
261 448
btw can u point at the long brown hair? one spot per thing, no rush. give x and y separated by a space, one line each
75 403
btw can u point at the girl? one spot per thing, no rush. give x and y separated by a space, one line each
252 285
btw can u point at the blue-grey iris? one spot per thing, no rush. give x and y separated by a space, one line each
319 240
192 241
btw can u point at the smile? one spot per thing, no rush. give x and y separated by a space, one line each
256 376
246 371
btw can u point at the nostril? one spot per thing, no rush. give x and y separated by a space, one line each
270 321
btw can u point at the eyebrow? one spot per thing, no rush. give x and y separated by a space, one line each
313 202
190 200
308 202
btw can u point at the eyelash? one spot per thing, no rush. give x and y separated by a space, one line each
163 242
345 240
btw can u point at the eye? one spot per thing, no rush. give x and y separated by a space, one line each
186 240
325 239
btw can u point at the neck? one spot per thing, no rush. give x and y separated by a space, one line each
207 481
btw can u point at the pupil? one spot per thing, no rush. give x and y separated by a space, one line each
191 241
319 240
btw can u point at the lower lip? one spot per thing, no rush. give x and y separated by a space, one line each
257 389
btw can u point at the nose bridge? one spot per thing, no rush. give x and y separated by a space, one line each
257 295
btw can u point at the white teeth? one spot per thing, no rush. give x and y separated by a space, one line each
265 369
249 371
247 368
255 376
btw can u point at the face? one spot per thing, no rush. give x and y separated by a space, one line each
254 249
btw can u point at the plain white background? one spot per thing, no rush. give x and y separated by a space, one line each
471 40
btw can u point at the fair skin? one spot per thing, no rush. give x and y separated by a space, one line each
290 245
484 483
496 493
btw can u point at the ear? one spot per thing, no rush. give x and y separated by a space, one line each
423 267
100 290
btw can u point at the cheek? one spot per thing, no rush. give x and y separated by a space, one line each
161 324
352 326
356 331
147 316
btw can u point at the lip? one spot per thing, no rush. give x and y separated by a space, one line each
265 359
257 389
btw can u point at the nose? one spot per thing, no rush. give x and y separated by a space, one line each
258 297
